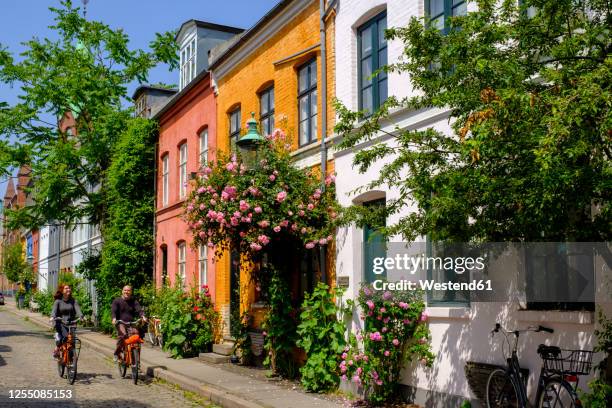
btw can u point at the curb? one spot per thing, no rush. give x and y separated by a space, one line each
214 394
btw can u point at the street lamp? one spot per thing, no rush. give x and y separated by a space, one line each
249 144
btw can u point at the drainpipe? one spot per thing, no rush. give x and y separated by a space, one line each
155 214
323 13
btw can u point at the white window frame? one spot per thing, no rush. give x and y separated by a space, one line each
183 170
203 147
188 61
165 179
182 262
202 265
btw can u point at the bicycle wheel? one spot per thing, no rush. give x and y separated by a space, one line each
72 366
501 391
135 363
60 364
557 394
121 366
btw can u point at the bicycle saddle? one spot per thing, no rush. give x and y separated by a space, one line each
548 351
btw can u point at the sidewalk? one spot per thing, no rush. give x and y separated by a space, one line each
228 389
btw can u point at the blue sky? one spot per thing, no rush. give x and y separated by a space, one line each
21 20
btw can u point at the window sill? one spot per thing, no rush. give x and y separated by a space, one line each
556 316
444 312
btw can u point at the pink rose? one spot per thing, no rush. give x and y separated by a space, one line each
395 342
258 210
322 241
301 213
309 245
277 229
272 177
387 353
201 190
280 197
263 239
310 206
424 316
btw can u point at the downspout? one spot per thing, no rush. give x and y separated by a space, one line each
323 14
155 215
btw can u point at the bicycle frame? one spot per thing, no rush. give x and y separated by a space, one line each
513 369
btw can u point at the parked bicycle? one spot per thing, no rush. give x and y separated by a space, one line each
154 333
558 381
69 351
130 353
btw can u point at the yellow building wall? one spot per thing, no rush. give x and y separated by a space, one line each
257 72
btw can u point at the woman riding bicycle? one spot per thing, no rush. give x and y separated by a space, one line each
67 308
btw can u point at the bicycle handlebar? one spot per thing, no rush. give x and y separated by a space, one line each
128 323
66 322
498 327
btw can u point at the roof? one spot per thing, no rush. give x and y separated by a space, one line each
176 97
10 189
212 26
216 60
143 88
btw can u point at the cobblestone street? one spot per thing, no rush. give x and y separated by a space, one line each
26 364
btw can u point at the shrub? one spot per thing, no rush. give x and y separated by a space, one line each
321 336
248 208
395 331
44 298
279 328
189 322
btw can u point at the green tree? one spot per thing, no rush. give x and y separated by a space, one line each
14 265
85 72
127 253
529 96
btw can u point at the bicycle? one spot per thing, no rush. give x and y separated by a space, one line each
154 333
507 387
69 352
130 353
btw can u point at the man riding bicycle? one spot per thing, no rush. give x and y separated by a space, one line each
125 308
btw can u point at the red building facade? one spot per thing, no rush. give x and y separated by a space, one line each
186 129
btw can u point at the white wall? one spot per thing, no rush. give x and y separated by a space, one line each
43 258
458 334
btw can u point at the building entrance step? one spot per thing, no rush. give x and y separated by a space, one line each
224 349
213 358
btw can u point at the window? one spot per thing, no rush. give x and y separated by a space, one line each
202 266
374 244
141 107
266 109
203 147
560 275
436 272
183 170
182 252
188 63
439 12
234 118
307 101
372 48
165 177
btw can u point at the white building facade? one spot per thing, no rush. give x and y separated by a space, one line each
461 329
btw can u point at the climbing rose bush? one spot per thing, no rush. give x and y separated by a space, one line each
248 207
395 332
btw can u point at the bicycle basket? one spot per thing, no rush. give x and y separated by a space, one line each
576 362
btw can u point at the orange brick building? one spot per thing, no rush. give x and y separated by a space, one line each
275 71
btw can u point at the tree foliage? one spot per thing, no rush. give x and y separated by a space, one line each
84 73
529 96
14 265
127 253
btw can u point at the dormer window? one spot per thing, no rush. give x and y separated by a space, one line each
188 62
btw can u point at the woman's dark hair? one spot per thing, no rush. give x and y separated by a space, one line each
59 293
